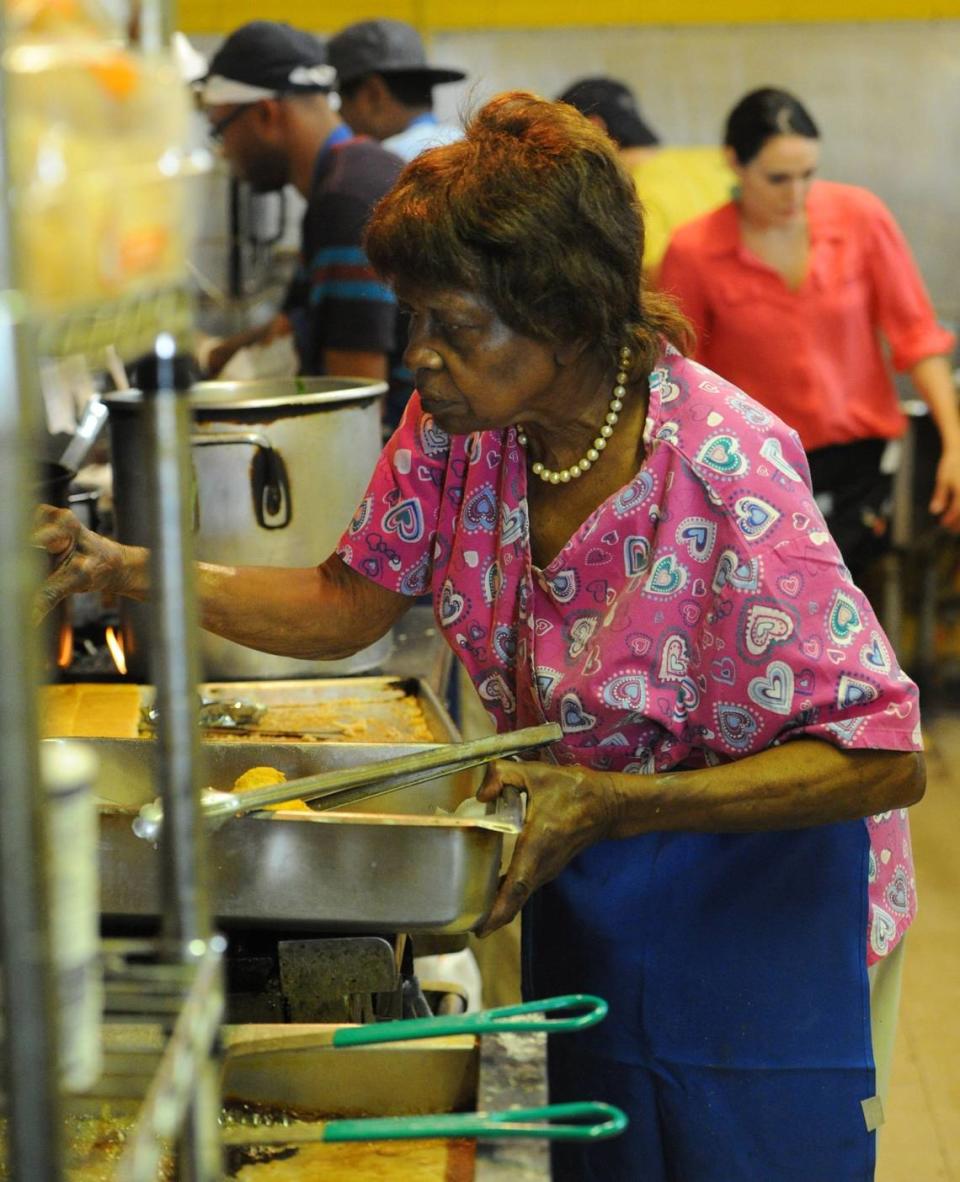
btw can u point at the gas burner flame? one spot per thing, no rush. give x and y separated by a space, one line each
64 644
115 645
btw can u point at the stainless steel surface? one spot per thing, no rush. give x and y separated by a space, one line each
30 1057
326 433
175 1093
438 1075
420 650
270 393
376 693
173 632
392 865
91 423
400 1080
182 1099
348 787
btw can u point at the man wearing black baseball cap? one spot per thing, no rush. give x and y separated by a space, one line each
266 99
386 86
675 185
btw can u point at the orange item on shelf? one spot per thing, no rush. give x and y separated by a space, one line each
89 711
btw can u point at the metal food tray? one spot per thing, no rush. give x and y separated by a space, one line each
392 864
438 1075
378 695
393 1079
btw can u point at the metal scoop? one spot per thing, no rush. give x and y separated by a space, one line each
334 789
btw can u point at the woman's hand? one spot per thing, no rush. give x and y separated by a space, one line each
81 560
804 782
568 809
933 378
945 502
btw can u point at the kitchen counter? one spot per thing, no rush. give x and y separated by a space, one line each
512 1075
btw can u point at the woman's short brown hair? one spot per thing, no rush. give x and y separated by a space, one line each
533 211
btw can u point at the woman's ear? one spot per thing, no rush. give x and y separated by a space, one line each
568 352
732 161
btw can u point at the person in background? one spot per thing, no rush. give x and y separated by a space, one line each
675 184
266 98
386 86
793 288
621 542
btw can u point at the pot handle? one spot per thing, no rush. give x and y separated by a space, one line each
270 483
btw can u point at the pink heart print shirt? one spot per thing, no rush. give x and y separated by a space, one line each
699 615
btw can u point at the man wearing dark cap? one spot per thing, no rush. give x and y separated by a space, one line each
266 98
675 185
386 86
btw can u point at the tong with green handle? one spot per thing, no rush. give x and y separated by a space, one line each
581 1121
576 1011
572 1011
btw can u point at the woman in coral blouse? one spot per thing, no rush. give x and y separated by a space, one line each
793 288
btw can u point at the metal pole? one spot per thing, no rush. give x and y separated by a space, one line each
157 24
30 1061
173 656
173 650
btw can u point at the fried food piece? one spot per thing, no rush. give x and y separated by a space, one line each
262 777
258 777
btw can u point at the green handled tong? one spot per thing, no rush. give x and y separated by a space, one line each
585 1121
573 1011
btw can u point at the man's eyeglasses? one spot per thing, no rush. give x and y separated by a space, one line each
217 130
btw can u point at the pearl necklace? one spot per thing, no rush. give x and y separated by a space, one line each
565 475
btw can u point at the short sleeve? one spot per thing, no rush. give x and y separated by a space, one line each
789 646
348 305
904 310
393 533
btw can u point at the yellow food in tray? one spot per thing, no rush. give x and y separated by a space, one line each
340 720
114 711
361 1161
89 711
263 777
94 1145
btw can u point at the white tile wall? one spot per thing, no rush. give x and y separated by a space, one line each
886 96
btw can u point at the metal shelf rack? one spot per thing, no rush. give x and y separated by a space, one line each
174 982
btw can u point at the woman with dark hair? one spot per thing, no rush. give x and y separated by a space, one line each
621 541
791 287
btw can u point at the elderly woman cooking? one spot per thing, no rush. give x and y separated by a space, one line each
617 539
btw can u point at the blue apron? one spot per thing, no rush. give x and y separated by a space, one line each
738 1038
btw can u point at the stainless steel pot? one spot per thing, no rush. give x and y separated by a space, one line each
280 466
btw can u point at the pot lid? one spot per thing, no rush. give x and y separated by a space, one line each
268 392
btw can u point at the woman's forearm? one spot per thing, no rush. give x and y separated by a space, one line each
933 380
801 783
316 613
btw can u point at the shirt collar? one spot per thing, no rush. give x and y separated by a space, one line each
339 135
725 235
427 117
